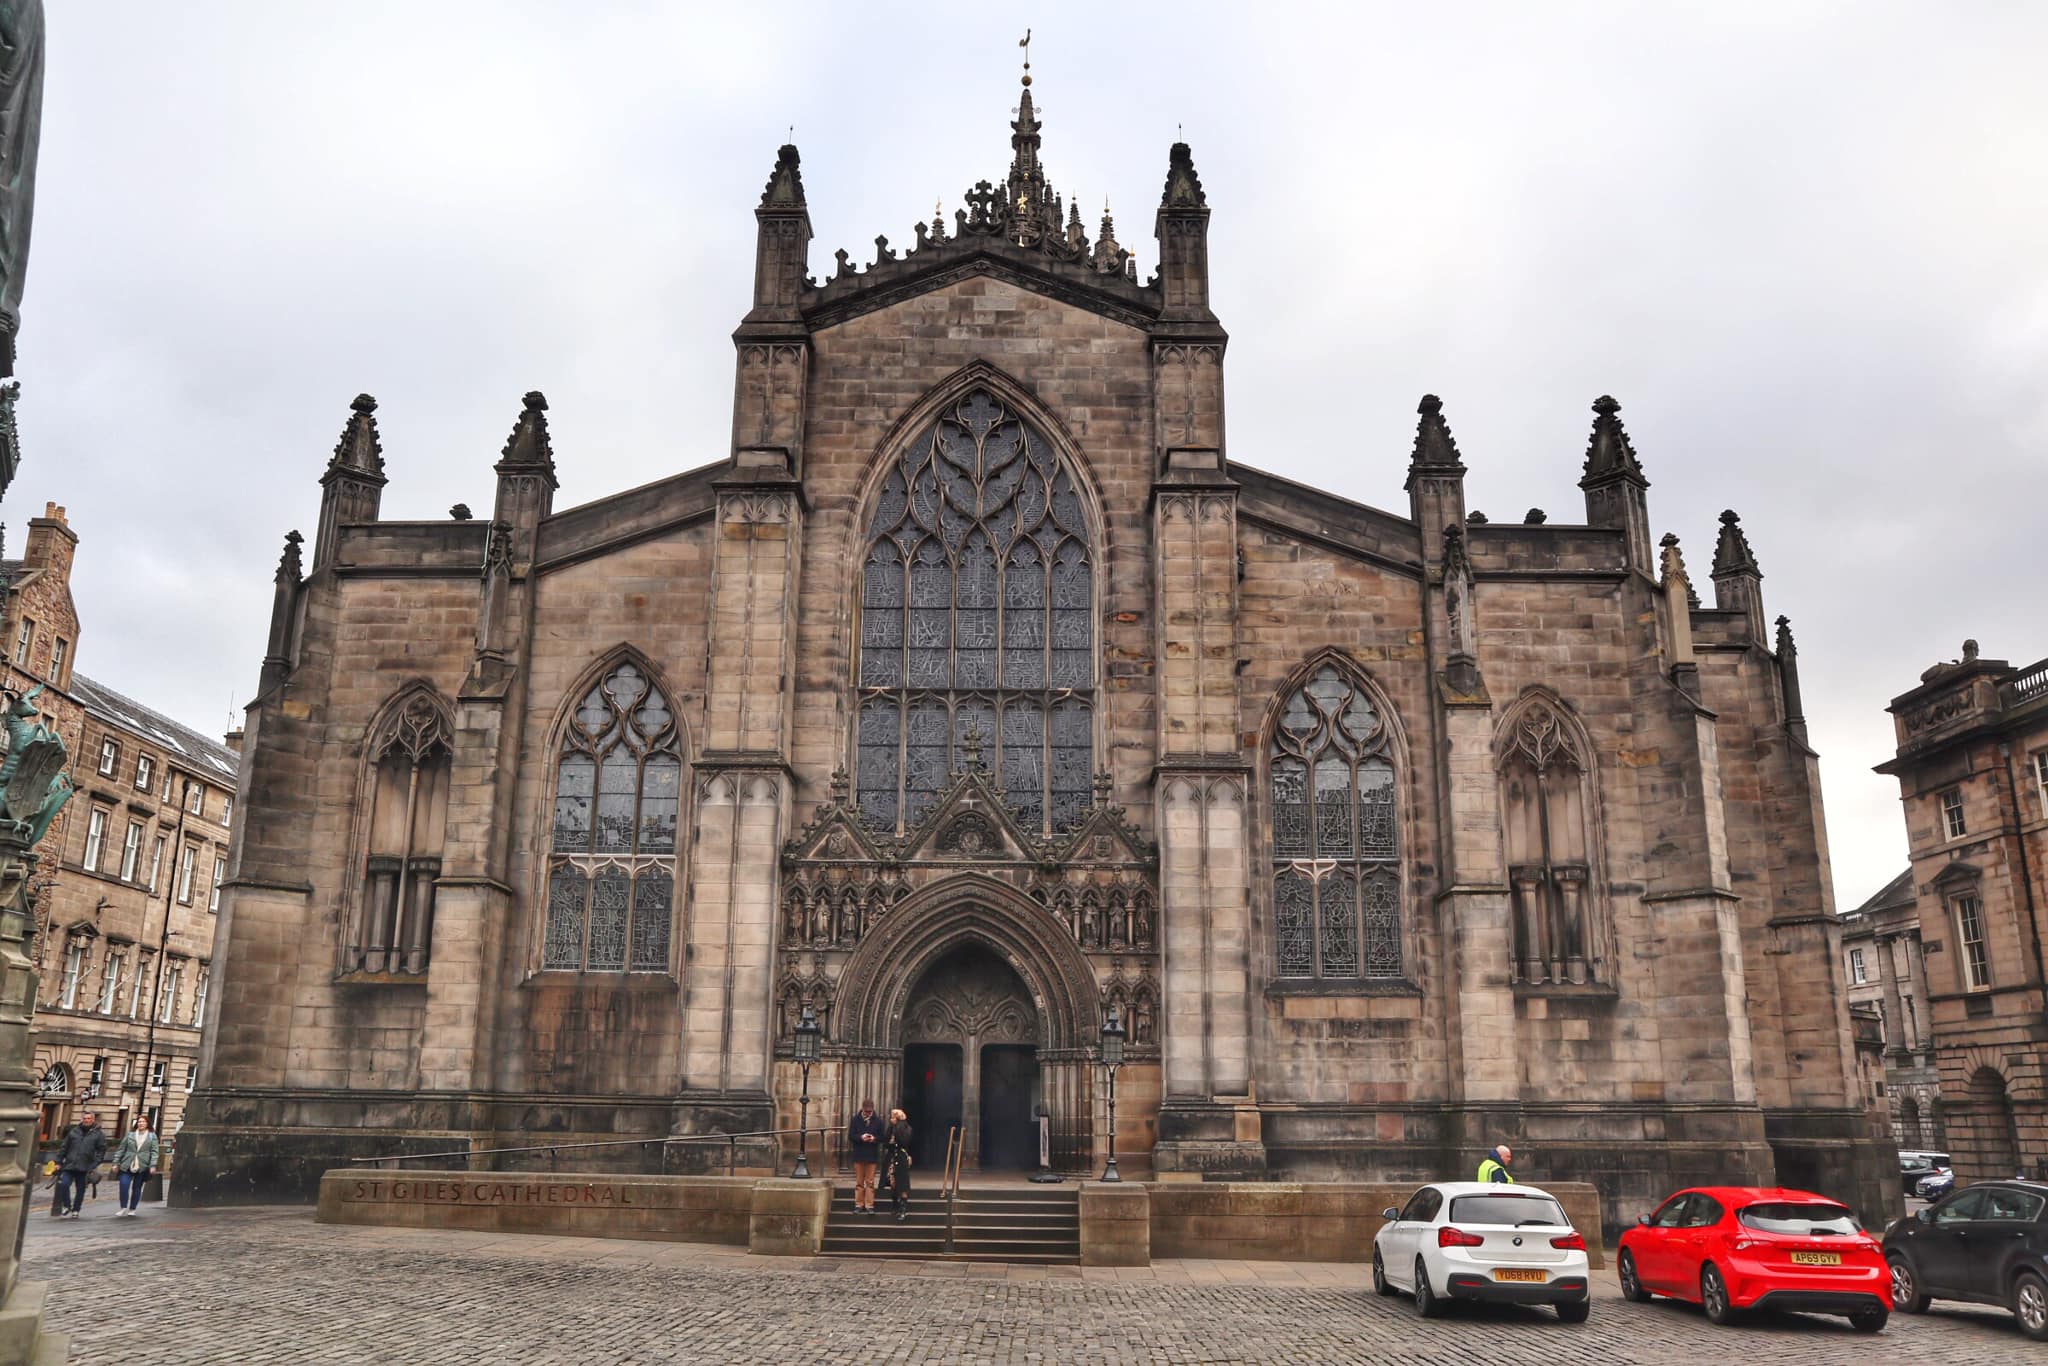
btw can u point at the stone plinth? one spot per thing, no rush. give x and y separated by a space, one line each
788 1217
1116 1224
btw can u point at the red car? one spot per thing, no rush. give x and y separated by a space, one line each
1732 1248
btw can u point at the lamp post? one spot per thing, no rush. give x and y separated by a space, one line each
1112 1058
806 1054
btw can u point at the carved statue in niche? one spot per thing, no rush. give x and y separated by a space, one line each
1144 1020
848 929
793 917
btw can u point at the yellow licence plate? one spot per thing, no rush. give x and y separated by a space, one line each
1503 1273
1816 1259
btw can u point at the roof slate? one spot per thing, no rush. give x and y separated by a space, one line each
103 702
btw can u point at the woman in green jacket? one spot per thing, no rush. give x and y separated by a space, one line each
133 1162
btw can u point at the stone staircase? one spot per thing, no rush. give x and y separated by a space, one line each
1032 1224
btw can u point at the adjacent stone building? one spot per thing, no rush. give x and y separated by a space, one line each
980 691
126 895
1972 766
1887 971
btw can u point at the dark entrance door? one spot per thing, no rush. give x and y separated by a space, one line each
932 1092
1009 1078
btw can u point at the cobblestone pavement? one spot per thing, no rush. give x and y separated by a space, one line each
272 1286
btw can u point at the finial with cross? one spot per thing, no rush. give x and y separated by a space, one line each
970 747
1103 782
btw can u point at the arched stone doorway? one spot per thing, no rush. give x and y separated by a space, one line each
981 988
970 1057
1994 1131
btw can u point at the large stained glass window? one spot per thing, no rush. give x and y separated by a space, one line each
977 624
618 795
1336 878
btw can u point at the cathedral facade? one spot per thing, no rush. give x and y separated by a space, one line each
980 695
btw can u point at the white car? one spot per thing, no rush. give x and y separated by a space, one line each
1468 1240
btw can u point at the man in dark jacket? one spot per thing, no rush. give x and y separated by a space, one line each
864 1134
83 1149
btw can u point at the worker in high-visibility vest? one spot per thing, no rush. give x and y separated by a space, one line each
1494 1167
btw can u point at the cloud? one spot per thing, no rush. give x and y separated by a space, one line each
1800 242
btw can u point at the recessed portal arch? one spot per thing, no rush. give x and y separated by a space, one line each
1035 1001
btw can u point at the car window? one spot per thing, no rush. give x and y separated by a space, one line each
1509 1210
1704 1212
1672 1214
1801 1217
2022 1206
1432 1201
1412 1211
1968 1205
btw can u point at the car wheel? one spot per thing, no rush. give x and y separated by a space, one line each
1714 1296
1869 1320
1631 1283
1380 1284
2030 1305
1427 1302
1907 1297
1574 1311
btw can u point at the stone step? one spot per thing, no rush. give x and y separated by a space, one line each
52 1349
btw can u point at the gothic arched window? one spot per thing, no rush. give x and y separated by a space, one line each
1336 848
394 928
977 618
618 794
1546 810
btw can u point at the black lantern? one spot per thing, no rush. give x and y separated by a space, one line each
1113 1036
806 1053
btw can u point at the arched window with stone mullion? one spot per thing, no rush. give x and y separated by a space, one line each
1336 880
618 798
977 624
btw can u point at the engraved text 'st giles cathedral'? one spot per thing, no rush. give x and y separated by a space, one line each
979 690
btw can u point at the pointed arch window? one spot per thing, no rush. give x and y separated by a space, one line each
977 620
1546 809
618 798
1336 845
408 823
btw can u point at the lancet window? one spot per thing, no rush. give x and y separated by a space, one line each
394 928
618 796
1546 807
1336 843
977 624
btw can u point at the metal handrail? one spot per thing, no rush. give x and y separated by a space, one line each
552 1149
949 1182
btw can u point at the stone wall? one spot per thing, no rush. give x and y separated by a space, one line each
1294 1222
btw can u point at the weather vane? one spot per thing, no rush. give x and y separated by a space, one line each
1025 43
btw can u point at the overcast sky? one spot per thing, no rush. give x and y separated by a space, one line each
1803 244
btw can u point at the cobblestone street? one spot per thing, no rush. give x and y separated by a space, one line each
271 1285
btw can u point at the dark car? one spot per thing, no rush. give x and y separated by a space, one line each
1918 1164
1986 1243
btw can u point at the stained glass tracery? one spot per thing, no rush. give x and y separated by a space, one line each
618 798
977 619
1336 884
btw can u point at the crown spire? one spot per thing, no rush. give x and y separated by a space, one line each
785 189
359 449
1609 454
1732 554
529 445
1434 445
